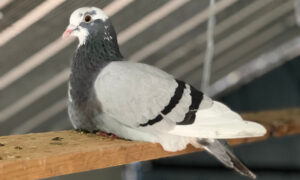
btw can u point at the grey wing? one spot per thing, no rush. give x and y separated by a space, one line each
140 95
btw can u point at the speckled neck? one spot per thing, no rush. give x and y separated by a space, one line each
88 61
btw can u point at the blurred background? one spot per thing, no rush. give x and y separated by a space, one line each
254 67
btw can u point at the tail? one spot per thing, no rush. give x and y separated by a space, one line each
218 149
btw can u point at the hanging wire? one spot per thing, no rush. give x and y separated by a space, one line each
297 11
209 48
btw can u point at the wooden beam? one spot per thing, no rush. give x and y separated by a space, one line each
41 155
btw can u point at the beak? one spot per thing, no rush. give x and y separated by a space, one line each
69 30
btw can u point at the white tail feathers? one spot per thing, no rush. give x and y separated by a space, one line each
219 122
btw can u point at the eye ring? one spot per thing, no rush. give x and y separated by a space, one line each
87 18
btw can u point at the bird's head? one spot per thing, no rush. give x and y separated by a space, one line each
90 22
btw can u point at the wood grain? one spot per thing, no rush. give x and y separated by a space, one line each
41 155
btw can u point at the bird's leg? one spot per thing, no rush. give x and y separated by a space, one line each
105 134
113 136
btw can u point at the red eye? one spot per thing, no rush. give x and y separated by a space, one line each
87 18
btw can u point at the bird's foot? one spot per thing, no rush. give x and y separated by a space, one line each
110 135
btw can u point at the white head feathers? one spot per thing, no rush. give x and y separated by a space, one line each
85 15
78 15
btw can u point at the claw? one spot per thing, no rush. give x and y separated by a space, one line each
110 135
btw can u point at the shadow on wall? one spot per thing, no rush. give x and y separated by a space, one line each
277 89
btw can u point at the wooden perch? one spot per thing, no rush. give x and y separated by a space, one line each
42 155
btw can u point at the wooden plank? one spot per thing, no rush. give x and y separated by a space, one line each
34 156
42 155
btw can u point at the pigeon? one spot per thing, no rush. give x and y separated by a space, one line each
136 101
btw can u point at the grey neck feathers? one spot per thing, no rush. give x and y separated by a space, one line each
88 61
